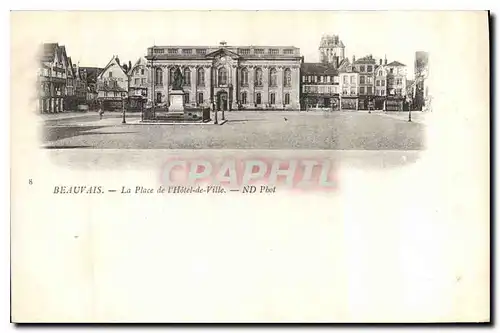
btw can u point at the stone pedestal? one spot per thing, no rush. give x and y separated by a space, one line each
176 101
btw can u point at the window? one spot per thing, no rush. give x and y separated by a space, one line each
200 98
159 51
258 99
172 51
137 81
159 76
187 76
382 92
258 77
353 79
369 90
362 90
399 81
143 80
273 77
274 51
158 97
142 71
110 74
369 68
287 77
369 80
222 77
244 97
288 51
187 51
200 77
272 98
244 77
382 83
258 51
345 79
379 73
186 98
353 91
391 70
287 99
377 83
321 79
328 79
390 82
336 79
244 51
398 92
361 69
362 79
201 51
303 78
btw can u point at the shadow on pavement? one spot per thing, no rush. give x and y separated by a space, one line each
58 133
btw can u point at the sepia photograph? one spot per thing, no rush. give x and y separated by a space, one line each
250 166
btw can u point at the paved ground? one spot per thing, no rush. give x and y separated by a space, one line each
243 130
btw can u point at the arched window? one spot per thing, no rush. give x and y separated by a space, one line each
258 99
244 77
273 77
258 77
187 76
244 97
158 76
287 77
201 77
222 77
287 99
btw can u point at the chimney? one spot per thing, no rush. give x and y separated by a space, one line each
336 62
353 59
380 62
385 60
129 64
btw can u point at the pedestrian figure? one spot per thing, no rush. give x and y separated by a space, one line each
101 112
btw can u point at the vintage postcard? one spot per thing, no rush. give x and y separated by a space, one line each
250 166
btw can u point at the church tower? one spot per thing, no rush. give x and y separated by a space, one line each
331 50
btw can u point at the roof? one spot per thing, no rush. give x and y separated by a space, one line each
140 62
395 63
92 73
114 59
48 51
318 68
366 60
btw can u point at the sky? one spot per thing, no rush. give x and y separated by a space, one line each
92 38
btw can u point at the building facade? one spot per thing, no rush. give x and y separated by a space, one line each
320 87
366 68
396 86
52 78
349 84
112 85
139 84
380 85
228 77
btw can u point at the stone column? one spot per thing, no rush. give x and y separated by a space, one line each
166 74
280 99
295 89
192 96
265 86
208 84
251 86
234 81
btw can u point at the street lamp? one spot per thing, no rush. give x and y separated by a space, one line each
123 108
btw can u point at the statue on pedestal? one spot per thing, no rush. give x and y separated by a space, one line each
178 80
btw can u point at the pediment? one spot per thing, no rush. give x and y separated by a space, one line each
222 52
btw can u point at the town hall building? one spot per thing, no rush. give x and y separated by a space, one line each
228 77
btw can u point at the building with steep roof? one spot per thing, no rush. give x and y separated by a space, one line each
228 77
112 85
365 66
349 84
53 74
140 83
